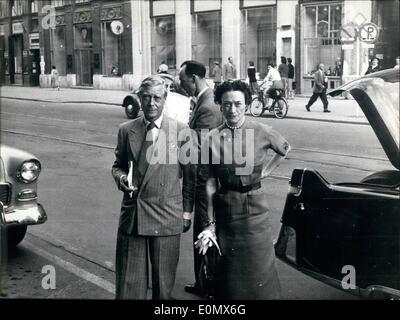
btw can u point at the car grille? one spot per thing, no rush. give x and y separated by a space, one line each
5 193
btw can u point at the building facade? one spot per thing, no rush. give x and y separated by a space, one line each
89 42
114 44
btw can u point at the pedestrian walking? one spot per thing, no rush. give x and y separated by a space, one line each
284 73
54 77
251 73
290 94
319 89
205 115
217 74
155 209
237 208
229 70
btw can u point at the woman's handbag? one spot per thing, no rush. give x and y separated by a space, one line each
209 272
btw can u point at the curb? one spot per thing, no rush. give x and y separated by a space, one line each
50 101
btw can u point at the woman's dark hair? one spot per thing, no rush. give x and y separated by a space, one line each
236 85
53 67
251 63
283 59
194 67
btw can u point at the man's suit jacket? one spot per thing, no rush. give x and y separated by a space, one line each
206 114
319 81
229 71
156 209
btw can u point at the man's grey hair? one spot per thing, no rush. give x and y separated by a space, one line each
153 81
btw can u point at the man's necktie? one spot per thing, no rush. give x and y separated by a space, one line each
193 101
147 144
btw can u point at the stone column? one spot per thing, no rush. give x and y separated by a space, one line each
183 32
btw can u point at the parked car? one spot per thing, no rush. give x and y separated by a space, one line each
333 232
19 172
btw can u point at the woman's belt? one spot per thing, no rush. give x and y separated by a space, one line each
241 189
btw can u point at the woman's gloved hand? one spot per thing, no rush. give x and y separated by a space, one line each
207 238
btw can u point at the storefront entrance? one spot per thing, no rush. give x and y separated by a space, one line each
84 67
15 56
84 54
35 67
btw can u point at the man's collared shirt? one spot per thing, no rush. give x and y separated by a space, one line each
200 93
154 132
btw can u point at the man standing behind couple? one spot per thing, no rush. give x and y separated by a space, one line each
205 115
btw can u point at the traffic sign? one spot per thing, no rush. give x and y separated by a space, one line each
348 33
369 32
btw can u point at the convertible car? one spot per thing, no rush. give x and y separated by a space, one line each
19 171
348 234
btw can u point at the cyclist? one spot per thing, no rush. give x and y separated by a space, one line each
271 82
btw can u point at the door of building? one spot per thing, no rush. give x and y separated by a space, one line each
266 49
35 67
84 66
287 47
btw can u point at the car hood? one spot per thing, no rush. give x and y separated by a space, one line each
378 96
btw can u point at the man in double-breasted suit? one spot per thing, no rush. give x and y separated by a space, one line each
205 115
319 89
155 208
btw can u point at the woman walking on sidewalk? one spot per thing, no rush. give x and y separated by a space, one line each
54 78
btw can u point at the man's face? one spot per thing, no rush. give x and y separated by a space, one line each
374 62
230 60
321 67
153 100
269 67
186 82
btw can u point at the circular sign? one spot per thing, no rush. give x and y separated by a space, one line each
369 32
117 27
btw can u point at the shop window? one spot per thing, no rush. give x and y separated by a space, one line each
163 42
58 49
2 9
58 3
321 36
16 7
34 6
259 38
206 41
111 46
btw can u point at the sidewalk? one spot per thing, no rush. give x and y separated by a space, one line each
343 111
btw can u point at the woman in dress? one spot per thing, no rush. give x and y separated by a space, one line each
237 207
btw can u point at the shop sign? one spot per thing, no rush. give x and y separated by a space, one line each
34 41
17 28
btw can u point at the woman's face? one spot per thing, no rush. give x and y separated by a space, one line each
233 107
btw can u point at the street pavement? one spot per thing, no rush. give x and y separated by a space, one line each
83 203
343 110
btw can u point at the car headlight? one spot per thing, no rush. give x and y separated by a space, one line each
29 171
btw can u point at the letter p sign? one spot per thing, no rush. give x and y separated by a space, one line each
369 32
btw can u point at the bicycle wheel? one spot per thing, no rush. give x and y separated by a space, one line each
280 107
256 107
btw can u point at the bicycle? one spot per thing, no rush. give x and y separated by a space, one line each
279 106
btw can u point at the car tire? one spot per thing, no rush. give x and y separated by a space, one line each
15 234
132 107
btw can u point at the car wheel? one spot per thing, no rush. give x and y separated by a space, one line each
132 108
15 234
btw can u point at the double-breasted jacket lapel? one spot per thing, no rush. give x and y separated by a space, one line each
136 137
168 132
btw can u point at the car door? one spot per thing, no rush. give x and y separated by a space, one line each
347 235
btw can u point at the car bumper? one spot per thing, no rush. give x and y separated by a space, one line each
25 216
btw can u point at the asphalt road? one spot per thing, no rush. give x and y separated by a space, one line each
75 144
